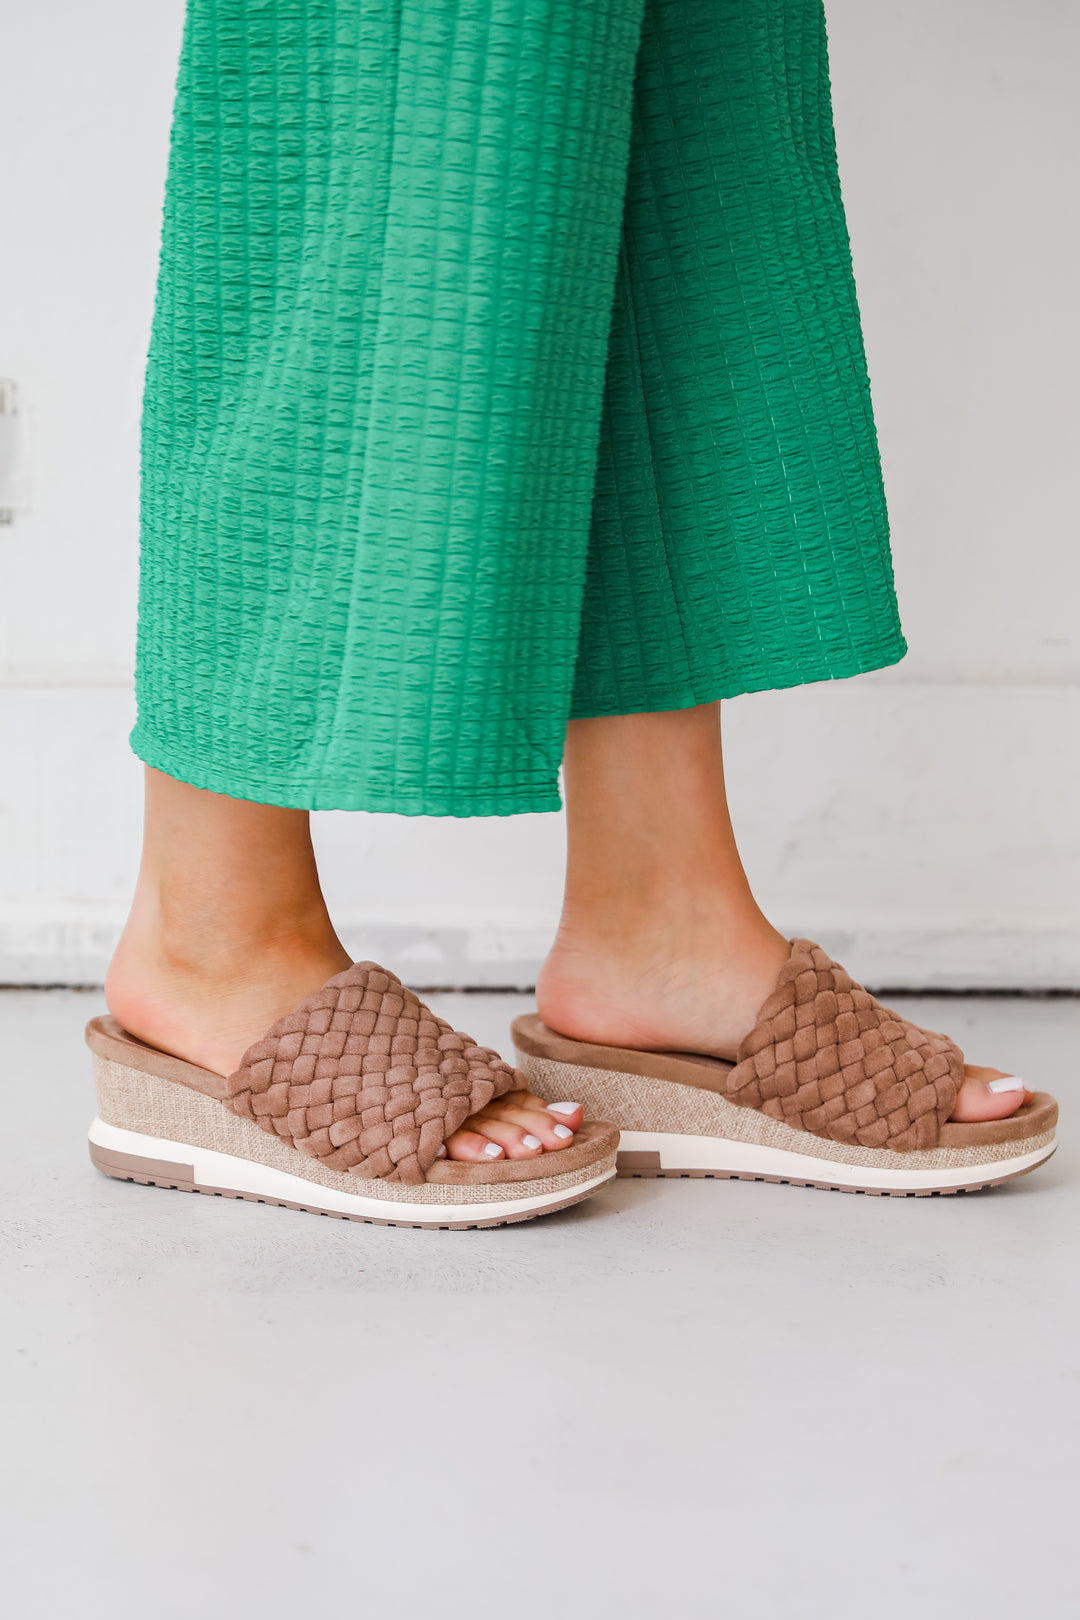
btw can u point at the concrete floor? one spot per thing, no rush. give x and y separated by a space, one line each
681 1398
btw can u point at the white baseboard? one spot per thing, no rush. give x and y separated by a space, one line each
928 835
53 952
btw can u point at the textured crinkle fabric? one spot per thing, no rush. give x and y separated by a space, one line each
739 532
826 1057
412 494
365 1078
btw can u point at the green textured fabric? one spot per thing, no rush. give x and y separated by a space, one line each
411 495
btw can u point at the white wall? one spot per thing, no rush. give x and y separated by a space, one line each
924 821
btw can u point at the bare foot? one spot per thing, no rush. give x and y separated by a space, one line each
229 930
208 1007
706 1000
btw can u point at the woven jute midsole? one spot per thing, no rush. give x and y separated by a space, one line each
637 1102
136 1101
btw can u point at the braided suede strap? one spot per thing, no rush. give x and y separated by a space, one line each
364 1077
825 1057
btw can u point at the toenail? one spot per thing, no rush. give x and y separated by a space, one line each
531 1142
442 1152
563 1131
492 1150
563 1108
1009 1082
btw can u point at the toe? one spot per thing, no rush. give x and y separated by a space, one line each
569 1114
471 1147
516 1126
532 1118
988 1094
516 1141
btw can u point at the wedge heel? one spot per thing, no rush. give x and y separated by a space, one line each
342 1108
830 1089
668 1129
154 1132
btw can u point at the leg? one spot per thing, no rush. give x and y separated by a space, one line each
365 511
662 945
739 534
229 931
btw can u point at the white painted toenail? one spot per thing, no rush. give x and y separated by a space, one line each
563 1108
1009 1082
492 1150
531 1142
562 1130
442 1152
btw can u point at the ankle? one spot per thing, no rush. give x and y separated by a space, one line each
205 987
228 929
223 949
661 942
687 983
644 934
199 930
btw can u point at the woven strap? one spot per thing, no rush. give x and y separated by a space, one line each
364 1077
825 1057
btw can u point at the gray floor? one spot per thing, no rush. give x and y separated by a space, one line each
683 1398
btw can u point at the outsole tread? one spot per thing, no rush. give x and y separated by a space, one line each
824 1186
340 1215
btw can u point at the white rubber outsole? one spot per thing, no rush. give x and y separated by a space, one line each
666 1153
151 1160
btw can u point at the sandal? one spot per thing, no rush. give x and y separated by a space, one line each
341 1109
829 1089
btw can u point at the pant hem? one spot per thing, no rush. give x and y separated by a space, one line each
296 793
688 695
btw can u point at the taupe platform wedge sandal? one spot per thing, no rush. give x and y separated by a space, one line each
341 1109
829 1089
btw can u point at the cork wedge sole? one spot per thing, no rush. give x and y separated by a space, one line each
675 1123
157 1126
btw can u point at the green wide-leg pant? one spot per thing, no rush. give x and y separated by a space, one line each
506 367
